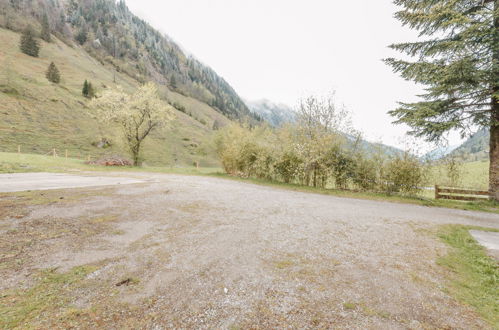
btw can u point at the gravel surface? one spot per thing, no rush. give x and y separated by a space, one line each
203 252
43 181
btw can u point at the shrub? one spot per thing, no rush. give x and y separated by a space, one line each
404 173
53 74
28 44
287 167
365 173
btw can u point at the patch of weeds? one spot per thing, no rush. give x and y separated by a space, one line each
17 204
104 219
349 305
47 299
163 256
416 278
473 275
283 264
368 311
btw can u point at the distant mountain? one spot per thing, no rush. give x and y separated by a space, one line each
275 114
475 148
440 152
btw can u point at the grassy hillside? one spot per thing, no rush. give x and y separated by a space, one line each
111 33
475 148
40 116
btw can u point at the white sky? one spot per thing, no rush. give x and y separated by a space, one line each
284 49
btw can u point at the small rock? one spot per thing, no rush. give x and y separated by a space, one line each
226 290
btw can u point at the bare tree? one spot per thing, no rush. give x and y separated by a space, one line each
137 114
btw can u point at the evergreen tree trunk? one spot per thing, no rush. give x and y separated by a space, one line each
494 152
494 128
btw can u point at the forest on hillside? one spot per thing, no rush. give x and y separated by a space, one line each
112 34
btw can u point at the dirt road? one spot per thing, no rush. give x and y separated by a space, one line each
197 252
44 181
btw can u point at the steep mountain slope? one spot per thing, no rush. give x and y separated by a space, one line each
275 114
112 34
475 148
102 41
40 116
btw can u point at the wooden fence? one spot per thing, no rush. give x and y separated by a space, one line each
460 194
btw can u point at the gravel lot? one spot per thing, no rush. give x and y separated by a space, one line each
198 252
43 181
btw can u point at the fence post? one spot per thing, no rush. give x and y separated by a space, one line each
19 149
437 192
66 153
53 152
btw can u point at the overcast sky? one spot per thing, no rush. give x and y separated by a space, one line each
284 49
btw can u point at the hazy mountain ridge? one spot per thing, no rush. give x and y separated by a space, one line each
440 152
475 148
275 114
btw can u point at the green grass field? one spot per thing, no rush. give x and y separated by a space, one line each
473 275
473 175
20 163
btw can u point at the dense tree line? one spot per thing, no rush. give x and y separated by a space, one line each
320 150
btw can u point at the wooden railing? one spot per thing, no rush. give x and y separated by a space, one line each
460 194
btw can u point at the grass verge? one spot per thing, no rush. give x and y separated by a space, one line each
484 206
22 308
22 163
473 275
17 163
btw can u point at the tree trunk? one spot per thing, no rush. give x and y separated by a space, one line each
494 152
136 154
494 127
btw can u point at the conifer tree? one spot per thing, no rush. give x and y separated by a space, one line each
88 90
45 34
53 74
28 44
81 36
84 91
459 65
173 82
